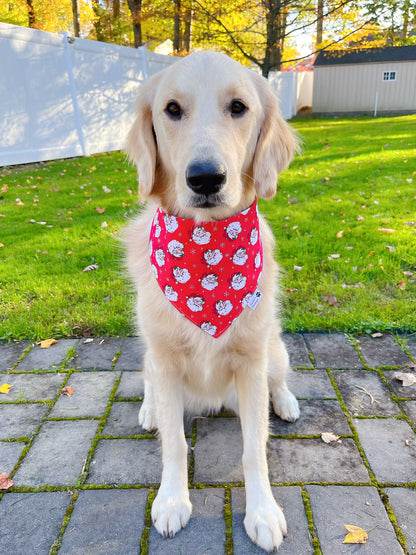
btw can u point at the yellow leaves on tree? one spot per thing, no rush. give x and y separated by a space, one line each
355 534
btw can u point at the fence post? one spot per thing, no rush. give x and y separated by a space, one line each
73 89
143 56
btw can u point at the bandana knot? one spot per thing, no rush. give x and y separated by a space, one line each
209 271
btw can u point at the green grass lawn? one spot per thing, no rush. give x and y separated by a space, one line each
354 178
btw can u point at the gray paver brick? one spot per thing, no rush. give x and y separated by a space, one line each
123 420
131 357
403 502
30 522
290 499
20 420
410 409
382 351
131 386
126 461
106 521
333 350
297 349
9 455
335 506
316 417
46 359
403 392
10 353
384 443
218 451
96 355
353 385
205 531
33 387
311 384
58 454
312 460
91 396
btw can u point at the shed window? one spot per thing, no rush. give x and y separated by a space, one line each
389 75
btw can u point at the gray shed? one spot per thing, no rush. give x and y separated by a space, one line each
368 81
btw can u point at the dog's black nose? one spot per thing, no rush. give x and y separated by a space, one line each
205 177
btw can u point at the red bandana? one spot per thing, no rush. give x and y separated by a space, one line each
209 271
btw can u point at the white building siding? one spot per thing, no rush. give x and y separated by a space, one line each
358 87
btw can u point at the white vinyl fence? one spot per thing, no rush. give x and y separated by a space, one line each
62 96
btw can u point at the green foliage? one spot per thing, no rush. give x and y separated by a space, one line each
355 175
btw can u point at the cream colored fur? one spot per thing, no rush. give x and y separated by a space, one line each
186 368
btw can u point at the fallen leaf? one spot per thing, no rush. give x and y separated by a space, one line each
106 189
377 334
1 245
5 388
360 218
370 254
340 234
386 230
401 285
406 378
5 481
333 301
100 210
390 248
297 268
334 256
68 391
329 437
409 223
90 268
292 201
355 534
46 343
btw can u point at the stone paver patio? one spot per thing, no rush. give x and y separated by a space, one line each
85 473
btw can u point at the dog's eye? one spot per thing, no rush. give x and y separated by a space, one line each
173 110
237 107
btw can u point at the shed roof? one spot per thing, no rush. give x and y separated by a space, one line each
366 55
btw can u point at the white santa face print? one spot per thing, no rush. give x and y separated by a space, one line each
209 328
176 249
240 257
200 236
210 282
181 275
170 293
234 230
213 257
171 223
160 257
254 235
223 307
238 281
196 304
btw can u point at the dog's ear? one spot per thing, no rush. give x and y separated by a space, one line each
276 144
141 141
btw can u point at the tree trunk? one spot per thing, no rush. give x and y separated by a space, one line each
75 15
187 34
116 21
274 39
136 12
405 13
177 26
31 13
319 22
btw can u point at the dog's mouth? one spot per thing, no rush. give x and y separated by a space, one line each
206 201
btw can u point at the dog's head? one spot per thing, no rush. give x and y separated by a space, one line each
208 136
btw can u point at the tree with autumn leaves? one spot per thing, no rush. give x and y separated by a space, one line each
260 32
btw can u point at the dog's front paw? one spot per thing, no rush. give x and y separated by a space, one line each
170 514
266 526
285 405
147 416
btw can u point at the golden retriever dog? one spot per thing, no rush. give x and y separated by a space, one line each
208 139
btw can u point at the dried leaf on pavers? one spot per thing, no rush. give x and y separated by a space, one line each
411 365
68 391
5 388
329 437
355 534
406 378
377 334
46 343
5 481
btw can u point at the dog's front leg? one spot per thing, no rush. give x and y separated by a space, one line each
264 522
172 508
